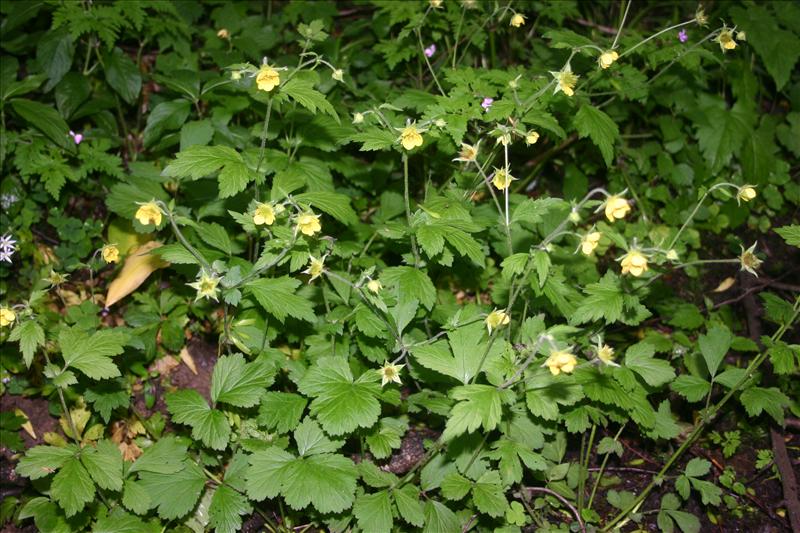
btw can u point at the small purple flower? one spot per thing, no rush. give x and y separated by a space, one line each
430 50
683 36
77 137
487 103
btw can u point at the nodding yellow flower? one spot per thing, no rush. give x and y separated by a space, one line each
390 373
338 74
496 319
374 286
502 179
616 207
468 153
223 34
410 138
746 193
517 20
634 263
741 36
7 316
358 118
561 361
264 214
672 255
748 260
590 241
700 16
308 224
267 78
435 4
606 354
726 40
315 267
566 81
149 213
607 59
532 137
110 253
206 286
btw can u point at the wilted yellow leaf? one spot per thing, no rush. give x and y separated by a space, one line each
27 426
188 360
122 234
726 284
138 266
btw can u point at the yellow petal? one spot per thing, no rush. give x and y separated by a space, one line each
138 266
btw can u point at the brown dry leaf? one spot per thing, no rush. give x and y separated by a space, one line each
188 360
726 284
138 266
27 426
165 365
130 451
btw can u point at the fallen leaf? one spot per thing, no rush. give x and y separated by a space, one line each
27 426
164 365
188 360
138 266
726 284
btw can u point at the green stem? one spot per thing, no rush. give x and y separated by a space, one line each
407 199
584 470
674 27
602 468
427 62
185 243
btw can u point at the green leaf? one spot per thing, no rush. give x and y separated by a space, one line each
374 512
790 234
166 116
655 372
237 382
412 284
714 345
45 119
514 265
480 406
135 497
386 437
91 354
215 235
440 519
54 55
771 400
599 127
533 211
722 133
41 461
374 139
488 494
455 486
30 336
281 411
208 425
778 48
118 521
276 296
196 133
226 509
692 388
302 91
177 493
72 487
335 204
687 522
165 456
509 453
604 300
106 400
104 464
409 505
311 440
199 161
122 75
340 403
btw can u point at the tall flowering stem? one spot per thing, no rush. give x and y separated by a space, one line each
407 200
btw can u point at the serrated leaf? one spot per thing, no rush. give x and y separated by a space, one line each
604 300
311 440
45 119
386 436
374 512
479 406
226 510
72 487
30 336
722 133
208 425
281 411
106 400
489 496
276 296
598 126
165 456
199 161
771 400
104 464
790 234
692 388
135 497
91 354
335 204
177 493
302 91
461 356
237 382
409 505
166 116
640 358
340 403
41 461
440 519
374 139
714 345
412 284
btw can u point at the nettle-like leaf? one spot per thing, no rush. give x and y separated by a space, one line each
210 426
277 297
91 354
281 411
341 403
478 406
200 161
175 494
655 372
599 127
30 336
237 382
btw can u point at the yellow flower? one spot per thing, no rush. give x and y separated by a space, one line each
410 137
616 207
531 137
607 59
374 286
110 253
435 4
749 261
315 267
149 213
566 81
589 242
495 319
390 373
502 179
268 78
561 361
308 224
338 74
634 263
700 16
55 278
264 214
741 36
7 316
746 193
358 118
726 40
672 255
223 34
236 75
206 286
606 354
518 20
468 153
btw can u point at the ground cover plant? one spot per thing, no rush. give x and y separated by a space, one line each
441 266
